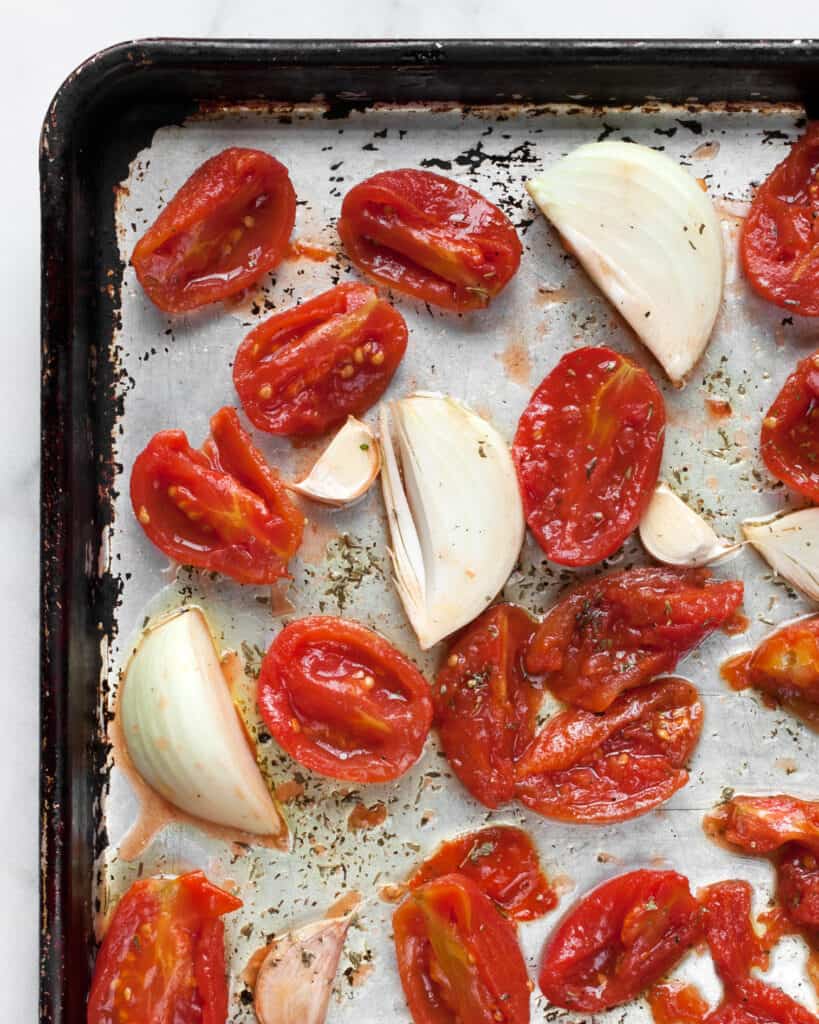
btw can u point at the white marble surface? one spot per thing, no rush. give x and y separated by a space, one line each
43 41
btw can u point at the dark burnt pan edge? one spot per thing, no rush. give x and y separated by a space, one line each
151 83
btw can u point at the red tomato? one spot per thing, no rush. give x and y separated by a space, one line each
485 705
675 1003
754 1002
305 370
429 237
619 939
763 824
162 960
587 451
735 947
458 958
343 701
585 767
789 440
797 885
224 229
503 862
780 239
222 508
618 631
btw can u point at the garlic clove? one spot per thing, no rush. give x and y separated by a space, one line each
674 534
790 545
346 469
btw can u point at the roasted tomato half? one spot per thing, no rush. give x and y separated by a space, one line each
303 371
587 451
458 958
754 1002
780 239
619 631
586 767
619 939
503 862
789 440
676 1003
343 701
163 956
224 229
735 947
485 705
797 886
429 237
763 824
222 508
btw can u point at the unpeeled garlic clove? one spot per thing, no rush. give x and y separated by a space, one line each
674 534
790 545
346 469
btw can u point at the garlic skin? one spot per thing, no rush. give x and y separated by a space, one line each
296 977
454 509
184 734
649 238
674 534
346 469
790 545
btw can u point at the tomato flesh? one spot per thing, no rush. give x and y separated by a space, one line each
343 701
763 824
780 238
797 885
162 960
585 767
303 371
619 631
619 939
222 508
735 947
754 1002
675 1003
789 440
430 237
458 958
587 451
226 227
502 861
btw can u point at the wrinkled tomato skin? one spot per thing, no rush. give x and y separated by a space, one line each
162 960
485 705
429 237
763 824
789 439
226 227
780 238
618 940
599 768
754 1002
458 958
621 630
221 508
304 370
797 885
503 862
587 451
343 701
735 947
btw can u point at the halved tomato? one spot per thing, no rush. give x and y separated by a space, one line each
458 958
306 369
429 237
735 947
224 229
618 631
797 887
343 701
754 1002
587 451
222 508
763 824
162 960
789 440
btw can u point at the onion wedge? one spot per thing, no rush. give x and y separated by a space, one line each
454 510
346 469
183 732
790 545
674 534
649 238
296 977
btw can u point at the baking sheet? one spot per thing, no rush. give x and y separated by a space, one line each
176 373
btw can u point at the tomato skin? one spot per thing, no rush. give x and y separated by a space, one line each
587 451
621 630
763 824
789 439
735 947
797 885
343 701
222 509
458 958
591 768
165 946
503 862
754 1002
619 939
304 370
485 705
781 232
429 237
226 227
